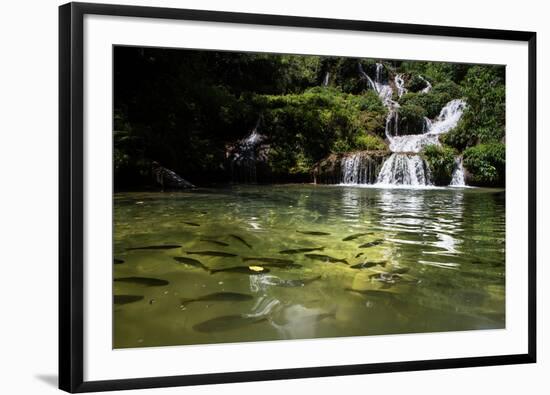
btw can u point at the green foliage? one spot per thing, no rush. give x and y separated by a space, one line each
486 164
459 138
415 83
369 142
411 118
441 162
304 128
435 71
435 100
484 118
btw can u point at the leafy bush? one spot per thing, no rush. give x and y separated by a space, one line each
411 119
485 92
459 137
486 164
441 162
304 128
436 71
448 88
344 73
435 100
415 83
368 142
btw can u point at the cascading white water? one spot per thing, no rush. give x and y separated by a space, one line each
412 143
448 117
404 169
458 173
428 85
404 166
446 120
385 92
366 76
358 168
326 79
426 125
244 156
400 84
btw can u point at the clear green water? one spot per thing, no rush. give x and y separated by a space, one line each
443 251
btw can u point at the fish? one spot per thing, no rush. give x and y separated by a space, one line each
369 292
158 247
268 260
236 237
313 233
326 258
367 265
283 265
125 299
312 318
358 255
118 261
298 282
190 262
389 277
301 250
355 236
149 282
372 243
252 270
191 223
227 322
212 253
220 243
400 270
219 297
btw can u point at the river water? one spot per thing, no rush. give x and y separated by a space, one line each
433 260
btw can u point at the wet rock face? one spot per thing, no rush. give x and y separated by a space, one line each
167 178
360 167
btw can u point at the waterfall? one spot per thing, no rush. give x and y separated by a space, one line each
379 84
448 117
405 166
400 84
427 125
404 169
383 88
244 156
385 93
458 173
446 120
358 168
428 85
326 79
366 76
412 143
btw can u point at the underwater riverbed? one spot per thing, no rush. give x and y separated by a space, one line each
254 263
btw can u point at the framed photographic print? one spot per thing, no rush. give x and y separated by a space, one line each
253 197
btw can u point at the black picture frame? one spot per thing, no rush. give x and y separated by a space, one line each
71 223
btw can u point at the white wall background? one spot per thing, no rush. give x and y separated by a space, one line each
28 195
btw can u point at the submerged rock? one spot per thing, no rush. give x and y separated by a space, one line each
167 178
